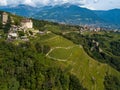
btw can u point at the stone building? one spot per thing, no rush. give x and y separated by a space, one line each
12 35
27 23
4 18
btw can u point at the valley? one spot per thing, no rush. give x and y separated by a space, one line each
58 56
73 14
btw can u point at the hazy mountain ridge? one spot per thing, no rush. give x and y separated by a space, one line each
111 16
68 13
23 10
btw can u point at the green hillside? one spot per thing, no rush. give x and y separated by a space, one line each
90 72
58 59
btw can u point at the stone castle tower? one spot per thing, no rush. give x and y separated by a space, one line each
4 18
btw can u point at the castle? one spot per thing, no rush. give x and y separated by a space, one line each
27 23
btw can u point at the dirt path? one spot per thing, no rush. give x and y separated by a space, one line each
47 55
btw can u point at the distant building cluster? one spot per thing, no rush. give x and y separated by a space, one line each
25 23
13 32
22 31
89 28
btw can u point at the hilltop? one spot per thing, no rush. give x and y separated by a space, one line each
59 57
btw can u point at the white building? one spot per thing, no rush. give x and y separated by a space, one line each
27 23
12 35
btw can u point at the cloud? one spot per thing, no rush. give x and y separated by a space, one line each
91 4
40 2
29 2
56 2
96 1
3 3
103 4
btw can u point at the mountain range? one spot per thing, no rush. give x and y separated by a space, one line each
67 13
22 10
111 16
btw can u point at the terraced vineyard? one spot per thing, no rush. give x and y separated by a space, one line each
90 72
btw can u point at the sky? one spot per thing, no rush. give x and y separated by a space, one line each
91 4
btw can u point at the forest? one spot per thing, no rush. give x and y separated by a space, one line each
25 67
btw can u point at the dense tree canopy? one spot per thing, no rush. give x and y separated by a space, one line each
25 67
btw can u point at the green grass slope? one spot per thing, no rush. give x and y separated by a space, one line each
90 72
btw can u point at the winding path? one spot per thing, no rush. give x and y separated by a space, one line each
47 55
